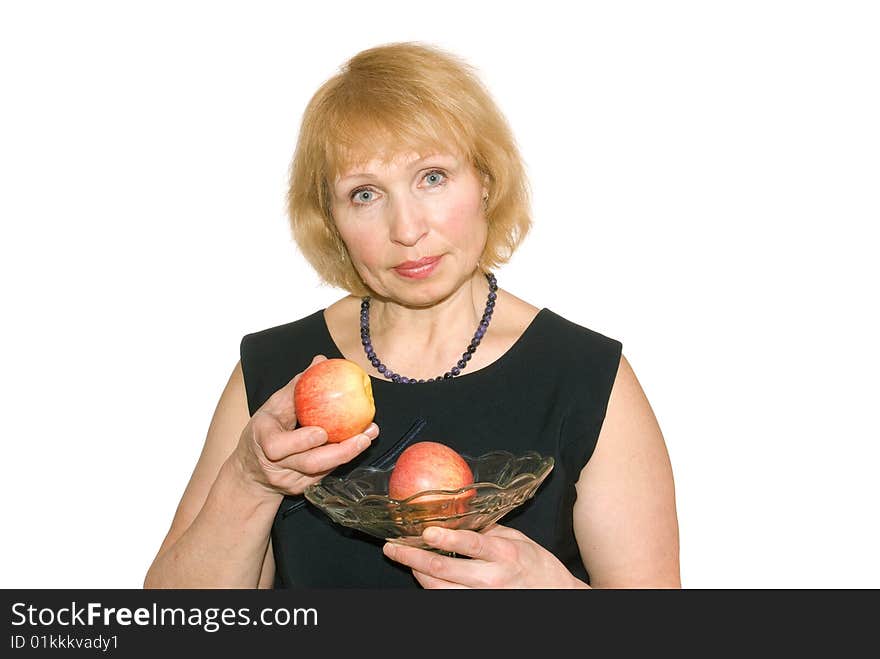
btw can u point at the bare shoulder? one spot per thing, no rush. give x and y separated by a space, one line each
342 307
629 424
518 312
338 315
625 515
628 403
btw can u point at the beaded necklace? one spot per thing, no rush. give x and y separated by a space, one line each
465 356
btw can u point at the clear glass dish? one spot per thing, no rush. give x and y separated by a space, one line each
502 481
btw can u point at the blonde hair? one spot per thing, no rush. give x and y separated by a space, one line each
395 98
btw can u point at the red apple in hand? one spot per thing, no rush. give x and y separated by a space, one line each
336 395
432 466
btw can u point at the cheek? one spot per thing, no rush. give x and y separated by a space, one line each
364 246
465 220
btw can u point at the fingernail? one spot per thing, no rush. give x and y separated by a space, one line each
372 431
363 442
388 549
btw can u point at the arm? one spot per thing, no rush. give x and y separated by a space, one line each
220 532
625 518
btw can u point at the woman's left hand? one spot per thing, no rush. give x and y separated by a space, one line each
500 557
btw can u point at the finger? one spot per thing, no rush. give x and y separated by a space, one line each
459 541
280 444
427 581
500 531
413 557
326 457
280 404
446 568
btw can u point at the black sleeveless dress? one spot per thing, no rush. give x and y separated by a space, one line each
547 393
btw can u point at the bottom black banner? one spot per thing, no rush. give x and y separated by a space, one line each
133 622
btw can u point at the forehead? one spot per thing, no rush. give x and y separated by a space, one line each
373 165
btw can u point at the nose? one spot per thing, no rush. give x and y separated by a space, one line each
408 222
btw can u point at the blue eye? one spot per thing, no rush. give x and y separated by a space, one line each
357 195
436 173
435 177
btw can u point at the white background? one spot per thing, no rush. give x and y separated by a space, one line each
705 180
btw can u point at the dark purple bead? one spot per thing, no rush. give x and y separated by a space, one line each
472 348
421 381
484 325
375 361
467 356
395 378
490 303
455 370
461 363
493 295
447 375
382 368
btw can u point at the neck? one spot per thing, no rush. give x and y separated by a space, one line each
420 341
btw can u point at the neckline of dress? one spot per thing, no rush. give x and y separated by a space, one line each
480 372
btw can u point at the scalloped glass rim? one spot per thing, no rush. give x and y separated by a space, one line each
502 481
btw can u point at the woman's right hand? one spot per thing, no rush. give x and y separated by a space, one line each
280 458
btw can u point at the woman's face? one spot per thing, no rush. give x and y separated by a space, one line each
407 210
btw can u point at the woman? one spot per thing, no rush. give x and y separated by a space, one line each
408 191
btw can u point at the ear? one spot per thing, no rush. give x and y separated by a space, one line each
485 191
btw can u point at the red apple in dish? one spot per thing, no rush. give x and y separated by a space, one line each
336 395
432 466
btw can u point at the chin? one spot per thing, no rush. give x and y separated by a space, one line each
422 292
423 296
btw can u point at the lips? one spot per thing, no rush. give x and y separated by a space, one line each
418 269
415 265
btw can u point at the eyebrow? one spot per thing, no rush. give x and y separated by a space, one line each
413 164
